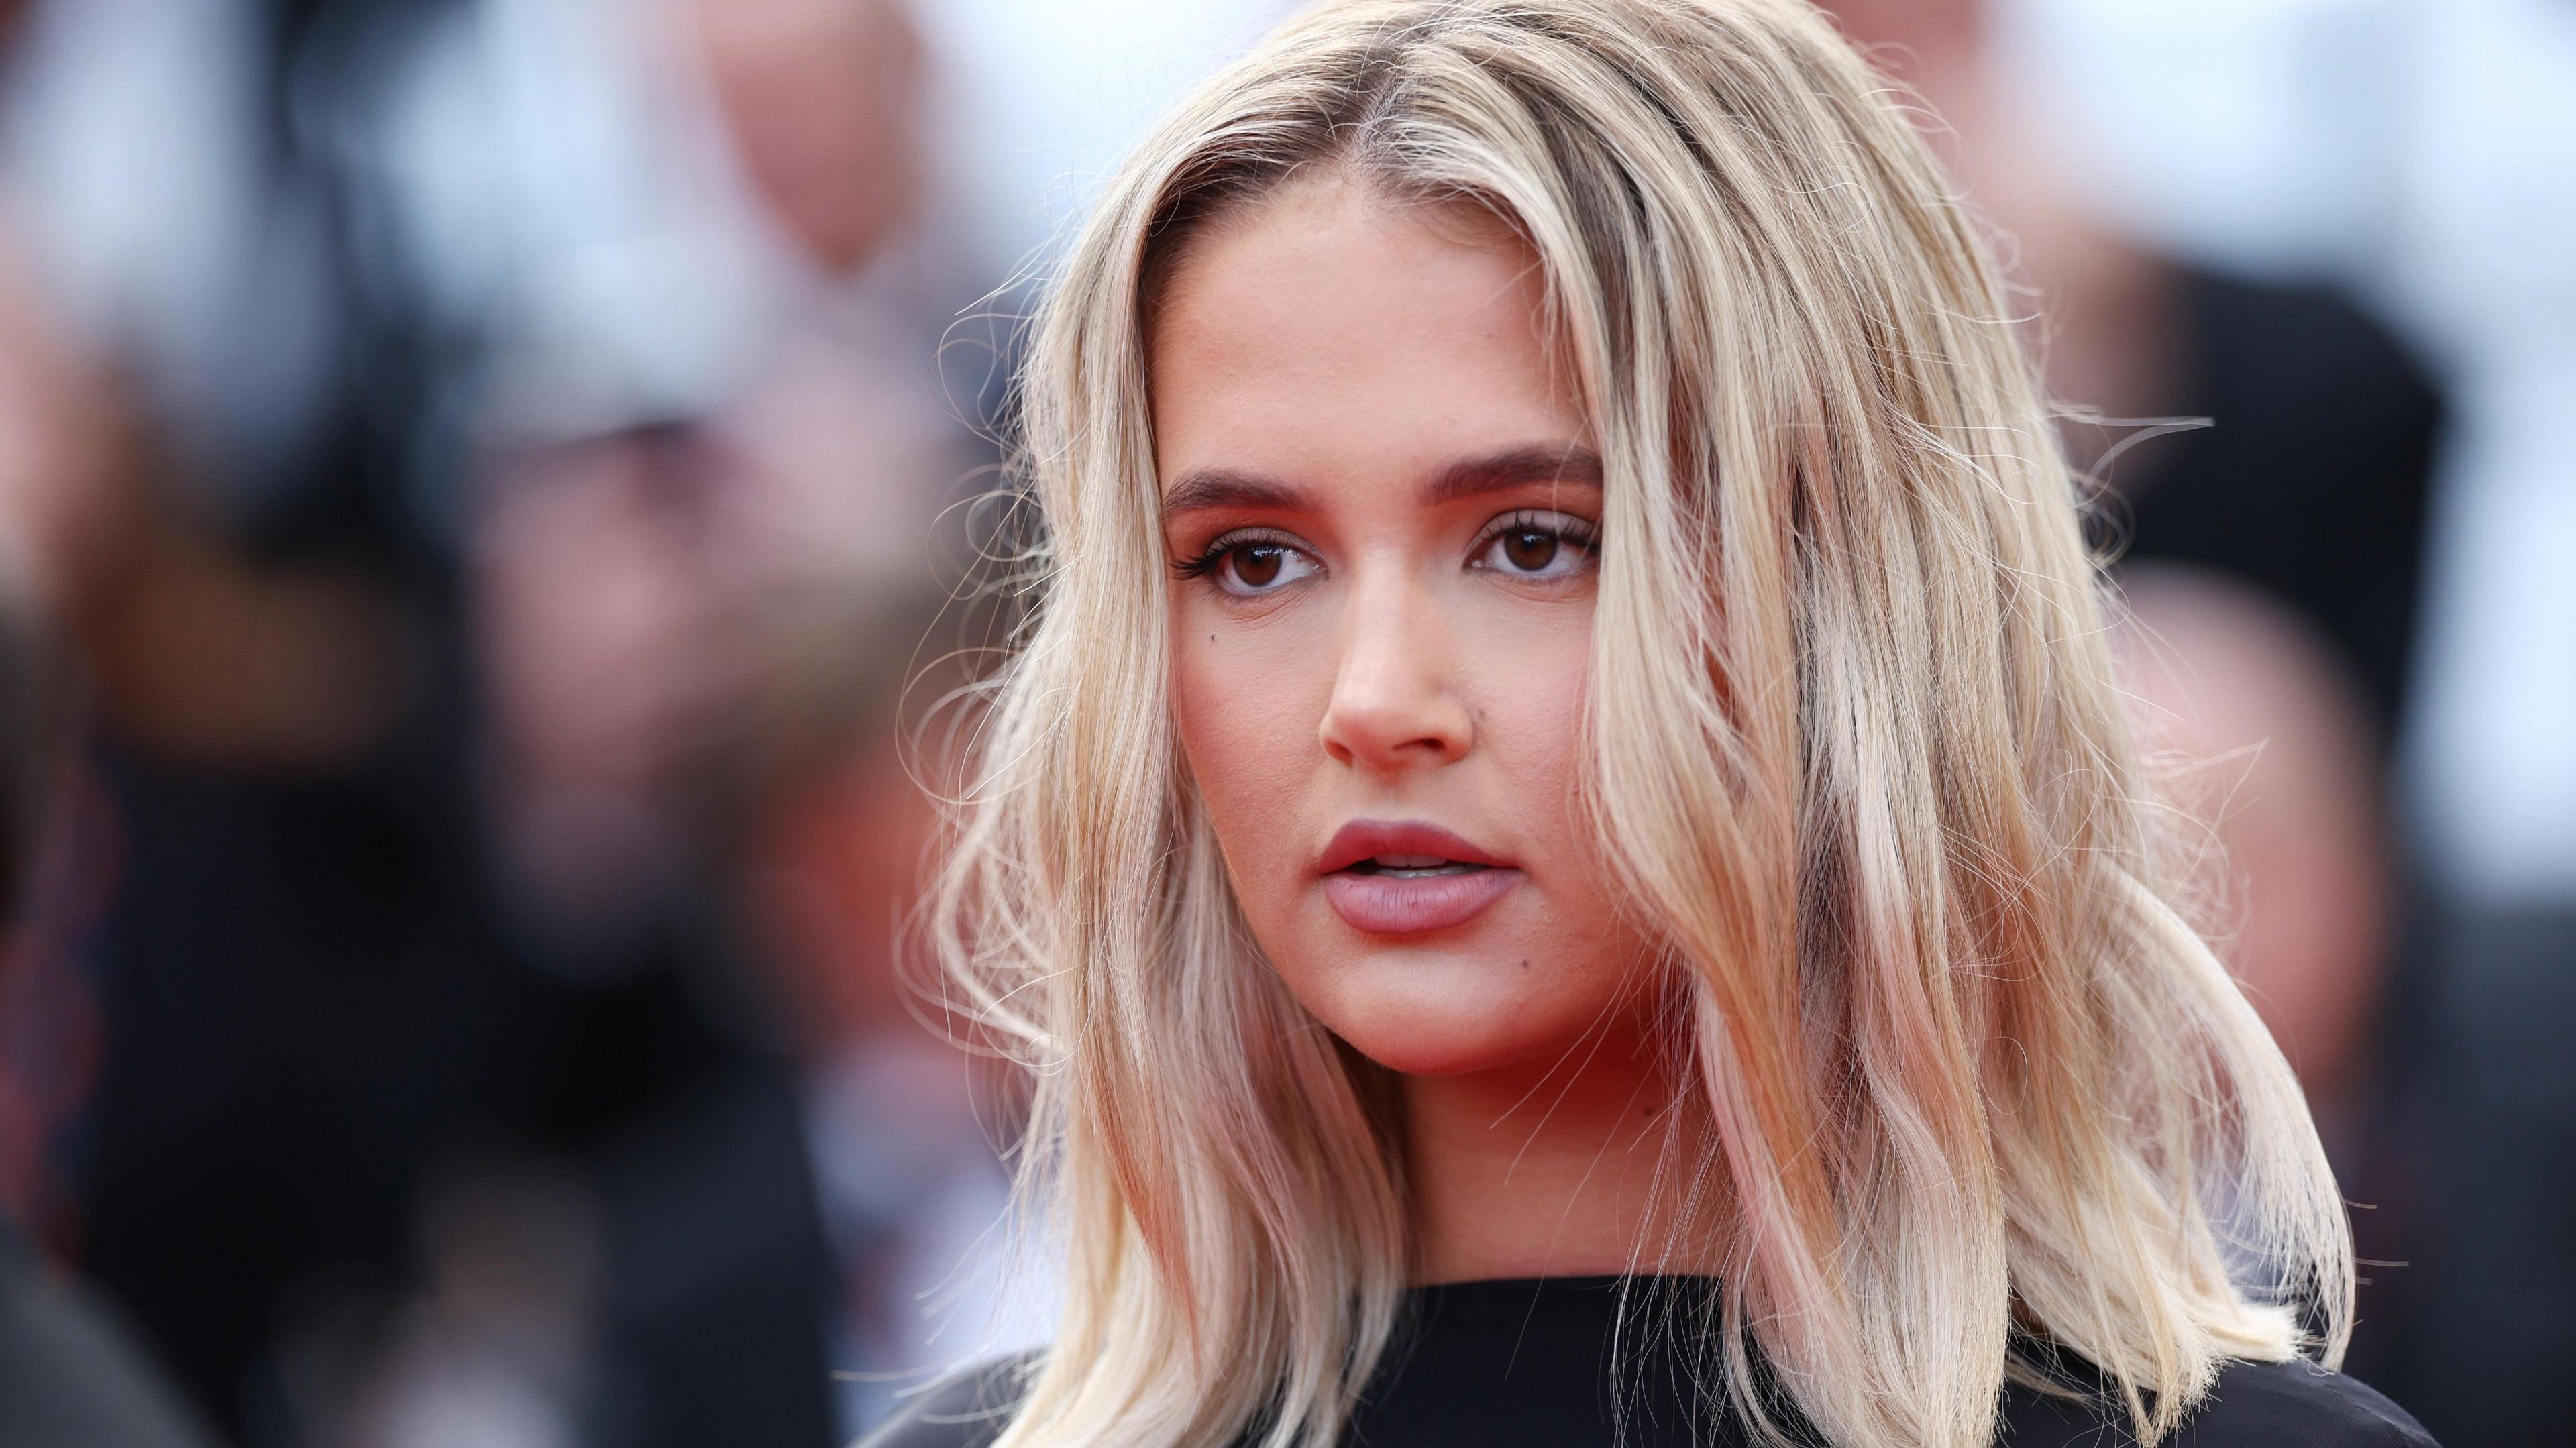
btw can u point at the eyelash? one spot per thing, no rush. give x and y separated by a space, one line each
1566 529
1206 564
1570 531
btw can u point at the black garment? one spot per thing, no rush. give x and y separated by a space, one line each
1524 1364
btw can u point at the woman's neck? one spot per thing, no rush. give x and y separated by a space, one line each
1547 1170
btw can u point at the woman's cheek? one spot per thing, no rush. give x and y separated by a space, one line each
1527 673
1249 714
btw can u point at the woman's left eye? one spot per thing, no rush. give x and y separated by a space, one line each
1536 545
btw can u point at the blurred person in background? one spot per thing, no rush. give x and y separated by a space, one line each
696 612
264 932
2422 156
70 1377
2268 452
484 863
2426 153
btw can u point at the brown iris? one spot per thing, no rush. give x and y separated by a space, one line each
1257 565
1530 549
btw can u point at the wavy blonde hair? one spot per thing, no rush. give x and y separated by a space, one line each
1966 1078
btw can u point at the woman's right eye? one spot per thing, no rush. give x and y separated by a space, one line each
1255 566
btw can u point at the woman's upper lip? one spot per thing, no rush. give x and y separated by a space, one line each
1367 839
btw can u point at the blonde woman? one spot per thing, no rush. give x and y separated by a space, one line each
1559 841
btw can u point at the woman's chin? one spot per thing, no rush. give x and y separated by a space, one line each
1509 986
1451 1017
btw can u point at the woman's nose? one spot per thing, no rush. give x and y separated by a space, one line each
1394 706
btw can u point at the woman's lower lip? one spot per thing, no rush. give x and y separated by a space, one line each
1410 905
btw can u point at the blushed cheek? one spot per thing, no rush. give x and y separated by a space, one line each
1249 731
1530 683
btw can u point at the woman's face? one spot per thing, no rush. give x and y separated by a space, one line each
1382 509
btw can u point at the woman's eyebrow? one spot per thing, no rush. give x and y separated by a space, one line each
1514 467
1207 488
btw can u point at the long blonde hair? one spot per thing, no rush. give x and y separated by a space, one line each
1965 1074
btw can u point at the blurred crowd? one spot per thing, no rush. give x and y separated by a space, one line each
483 490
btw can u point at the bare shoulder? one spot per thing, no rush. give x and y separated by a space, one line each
967 1409
2255 1405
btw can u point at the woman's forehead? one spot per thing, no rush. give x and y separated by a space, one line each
1327 325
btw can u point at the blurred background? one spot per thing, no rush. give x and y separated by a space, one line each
476 475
